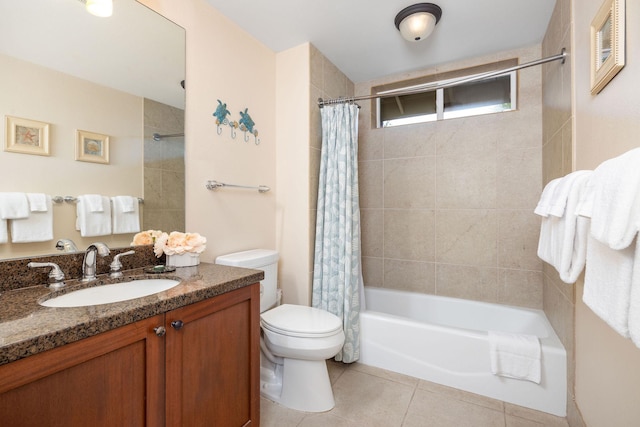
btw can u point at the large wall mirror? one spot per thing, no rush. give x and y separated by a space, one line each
119 77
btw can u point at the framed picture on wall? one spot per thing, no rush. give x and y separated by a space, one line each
26 136
607 44
92 147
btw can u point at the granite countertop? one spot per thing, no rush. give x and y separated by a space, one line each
27 328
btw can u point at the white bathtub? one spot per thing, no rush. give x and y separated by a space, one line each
444 340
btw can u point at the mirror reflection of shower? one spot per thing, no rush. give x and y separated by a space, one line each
163 167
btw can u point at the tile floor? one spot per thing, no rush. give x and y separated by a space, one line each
372 397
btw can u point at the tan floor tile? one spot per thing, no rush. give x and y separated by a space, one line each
466 396
436 410
335 369
543 418
521 422
370 400
274 415
387 375
327 420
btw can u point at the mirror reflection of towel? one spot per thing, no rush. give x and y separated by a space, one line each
126 217
38 227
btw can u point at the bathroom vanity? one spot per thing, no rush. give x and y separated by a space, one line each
188 356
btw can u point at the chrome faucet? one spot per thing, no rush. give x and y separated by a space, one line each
90 260
66 245
56 276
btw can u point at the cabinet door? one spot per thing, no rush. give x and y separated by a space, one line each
212 361
112 379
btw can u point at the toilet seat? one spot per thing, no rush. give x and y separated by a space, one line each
301 321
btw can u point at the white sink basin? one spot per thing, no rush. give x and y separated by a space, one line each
116 292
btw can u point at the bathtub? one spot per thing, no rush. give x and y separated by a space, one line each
444 340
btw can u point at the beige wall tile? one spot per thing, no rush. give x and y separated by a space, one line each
467 180
409 234
373 271
520 287
519 178
371 182
409 183
372 229
460 281
466 237
410 141
411 276
518 233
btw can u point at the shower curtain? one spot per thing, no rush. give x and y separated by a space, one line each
337 272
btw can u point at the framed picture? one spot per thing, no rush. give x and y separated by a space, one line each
607 43
92 147
26 136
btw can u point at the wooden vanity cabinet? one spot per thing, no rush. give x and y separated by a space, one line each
201 370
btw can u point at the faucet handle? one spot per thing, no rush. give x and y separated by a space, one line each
56 275
116 265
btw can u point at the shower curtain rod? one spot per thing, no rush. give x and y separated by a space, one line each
438 85
158 137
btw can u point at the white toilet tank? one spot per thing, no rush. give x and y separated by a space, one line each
259 259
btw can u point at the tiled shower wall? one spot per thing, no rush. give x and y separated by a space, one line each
557 155
163 168
447 207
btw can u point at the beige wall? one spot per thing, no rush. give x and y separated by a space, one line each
30 93
447 206
606 125
292 225
226 63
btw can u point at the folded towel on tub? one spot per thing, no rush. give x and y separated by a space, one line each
515 356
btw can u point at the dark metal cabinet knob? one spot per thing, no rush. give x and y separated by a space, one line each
177 324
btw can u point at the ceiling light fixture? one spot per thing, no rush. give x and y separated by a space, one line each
417 21
102 8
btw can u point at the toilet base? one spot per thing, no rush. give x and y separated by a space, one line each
297 384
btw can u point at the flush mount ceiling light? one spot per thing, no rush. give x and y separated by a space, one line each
102 8
417 21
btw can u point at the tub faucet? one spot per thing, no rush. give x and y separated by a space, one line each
89 262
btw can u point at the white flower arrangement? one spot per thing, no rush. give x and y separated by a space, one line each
174 243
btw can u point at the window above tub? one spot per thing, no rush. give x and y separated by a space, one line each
491 95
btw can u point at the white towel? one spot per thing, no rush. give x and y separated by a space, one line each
544 204
612 200
4 234
563 239
13 205
634 298
126 203
92 223
607 283
37 228
126 216
93 202
37 202
515 356
563 189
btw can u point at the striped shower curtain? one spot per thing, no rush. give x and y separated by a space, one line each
337 272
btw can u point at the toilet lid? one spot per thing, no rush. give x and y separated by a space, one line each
301 321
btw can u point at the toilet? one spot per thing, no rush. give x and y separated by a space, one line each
295 341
